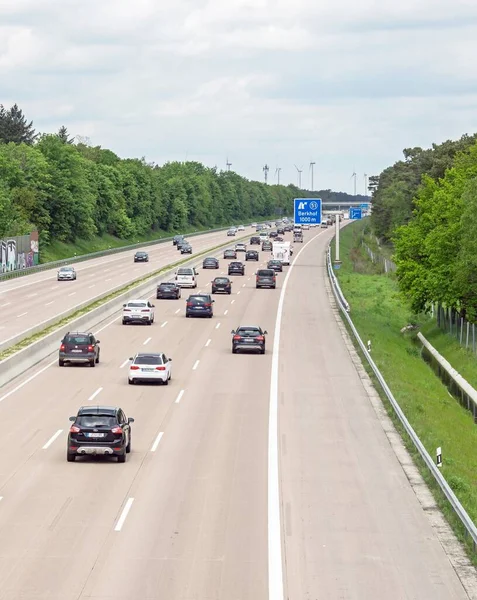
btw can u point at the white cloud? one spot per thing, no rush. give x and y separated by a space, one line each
347 84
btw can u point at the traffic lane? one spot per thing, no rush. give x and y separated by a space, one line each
352 523
198 525
90 497
24 308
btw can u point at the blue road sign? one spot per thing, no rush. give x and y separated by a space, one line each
355 212
307 211
364 206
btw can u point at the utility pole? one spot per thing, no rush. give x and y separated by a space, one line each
312 165
229 164
277 172
265 169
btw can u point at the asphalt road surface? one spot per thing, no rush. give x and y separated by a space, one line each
193 512
27 301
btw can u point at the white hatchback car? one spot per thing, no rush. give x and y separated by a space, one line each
152 366
138 311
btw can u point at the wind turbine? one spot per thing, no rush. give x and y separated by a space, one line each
277 172
299 171
312 164
366 185
228 164
354 175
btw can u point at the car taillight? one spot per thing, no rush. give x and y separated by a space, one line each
189 304
127 310
237 337
74 429
160 368
145 310
259 338
62 347
207 304
134 368
90 348
116 430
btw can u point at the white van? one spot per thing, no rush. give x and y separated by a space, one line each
186 277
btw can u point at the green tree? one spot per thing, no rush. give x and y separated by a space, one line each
14 126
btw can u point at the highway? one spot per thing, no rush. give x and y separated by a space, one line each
193 512
28 301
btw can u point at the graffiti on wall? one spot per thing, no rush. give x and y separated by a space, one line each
19 252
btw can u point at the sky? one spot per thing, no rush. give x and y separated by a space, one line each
344 84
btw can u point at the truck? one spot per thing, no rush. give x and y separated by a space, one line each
281 251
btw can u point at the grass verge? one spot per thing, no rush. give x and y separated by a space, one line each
60 323
379 312
62 250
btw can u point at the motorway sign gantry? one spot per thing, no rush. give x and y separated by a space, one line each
364 206
355 212
307 211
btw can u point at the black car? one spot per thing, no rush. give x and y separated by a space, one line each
168 290
248 338
221 284
273 234
186 249
176 239
200 305
266 278
210 263
236 268
267 246
99 430
230 253
251 255
281 230
141 257
255 240
275 265
79 347
182 242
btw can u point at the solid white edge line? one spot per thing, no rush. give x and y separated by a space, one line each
275 560
207 343
52 439
93 396
124 514
124 363
147 341
156 441
196 364
179 396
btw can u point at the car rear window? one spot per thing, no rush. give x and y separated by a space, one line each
184 272
221 280
248 331
198 299
266 273
150 359
77 339
137 304
166 286
95 421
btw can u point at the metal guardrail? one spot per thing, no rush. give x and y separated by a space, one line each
100 253
466 521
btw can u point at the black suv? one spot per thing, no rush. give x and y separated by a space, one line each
101 430
281 230
200 305
176 239
79 347
248 338
255 240
221 284
210 263
141 257
251 255
168 290
186 248
236 268
275 265
266 278
181 242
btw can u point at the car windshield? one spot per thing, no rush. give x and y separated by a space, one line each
149 359
140 254
96 421
248 331
77 339
137 304
221 280
66 269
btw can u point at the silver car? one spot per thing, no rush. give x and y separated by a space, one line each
66 274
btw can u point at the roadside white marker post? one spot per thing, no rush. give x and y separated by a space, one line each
439 457
337 261
369 346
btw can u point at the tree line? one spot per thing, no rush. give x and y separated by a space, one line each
70 191
426 206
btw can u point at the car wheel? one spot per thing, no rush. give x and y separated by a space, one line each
131 381
92 363
70 457
234 351
124 322
149 322
122 458
229 293
262 351
170 376
128 447
61 363
97 359
166 382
